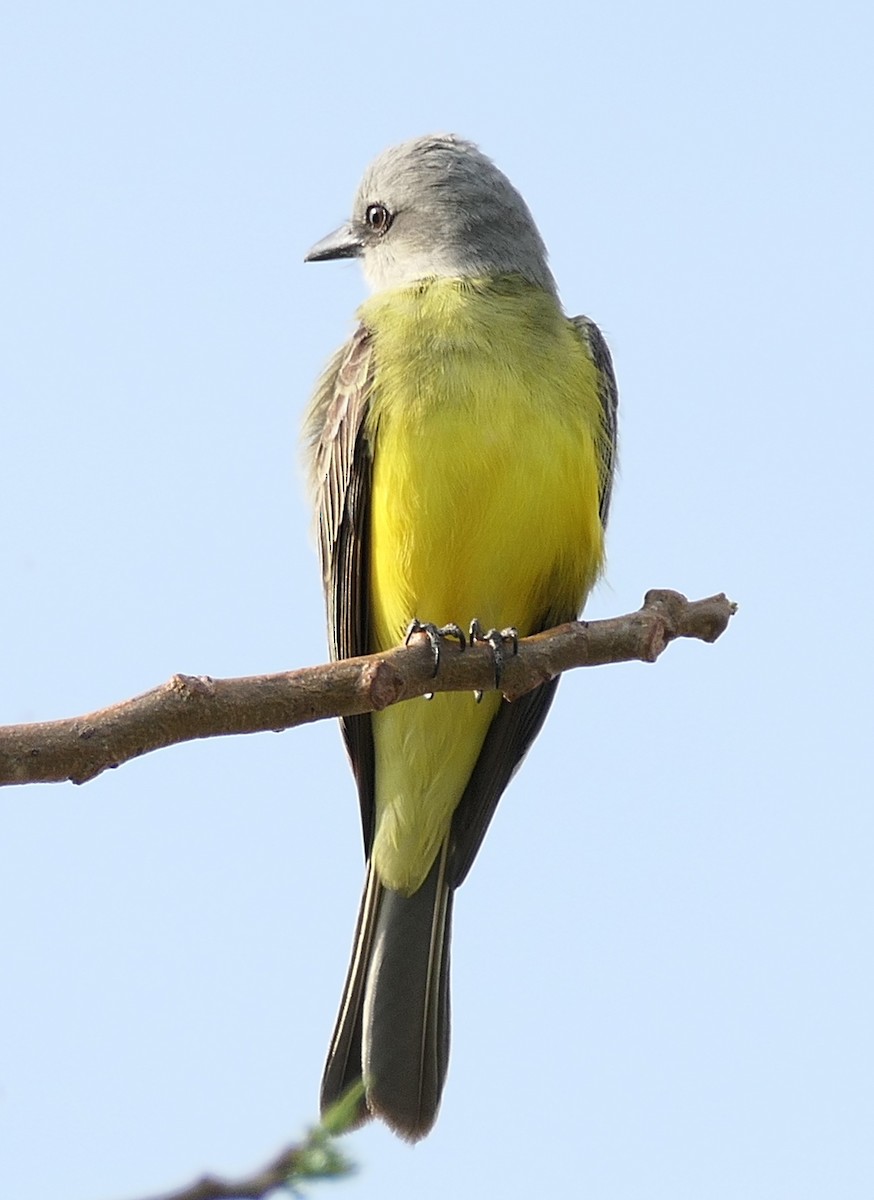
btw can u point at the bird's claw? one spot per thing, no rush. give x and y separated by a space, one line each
496 638
435 635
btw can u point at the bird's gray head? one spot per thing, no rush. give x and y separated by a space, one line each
436 206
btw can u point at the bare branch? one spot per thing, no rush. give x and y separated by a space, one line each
317 1157
189 707
314 1159
252 1187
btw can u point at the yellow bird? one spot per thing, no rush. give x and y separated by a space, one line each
461 448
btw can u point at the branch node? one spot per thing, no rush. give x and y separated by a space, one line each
655 639
670 606
192 685
531 679
382 683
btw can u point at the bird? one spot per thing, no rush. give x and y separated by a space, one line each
461 449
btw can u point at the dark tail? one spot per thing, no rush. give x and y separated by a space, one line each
393 1025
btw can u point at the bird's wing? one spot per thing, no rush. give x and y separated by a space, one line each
516 725
598 351
341 462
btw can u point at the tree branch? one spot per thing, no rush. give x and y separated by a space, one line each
317 1157
187 707
278 1174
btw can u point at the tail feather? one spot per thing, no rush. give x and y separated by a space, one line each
393 1025
343 1067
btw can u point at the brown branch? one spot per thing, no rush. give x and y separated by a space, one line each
189 707
252 1187
316 1157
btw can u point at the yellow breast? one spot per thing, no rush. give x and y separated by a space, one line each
484 421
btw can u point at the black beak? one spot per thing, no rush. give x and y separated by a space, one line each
342 243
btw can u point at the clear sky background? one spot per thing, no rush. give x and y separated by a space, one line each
663 979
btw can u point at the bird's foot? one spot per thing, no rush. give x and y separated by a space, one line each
496 638
436 635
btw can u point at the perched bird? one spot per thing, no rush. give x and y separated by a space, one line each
461 450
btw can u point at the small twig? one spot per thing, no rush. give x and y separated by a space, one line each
317 1157
277 1174
190 707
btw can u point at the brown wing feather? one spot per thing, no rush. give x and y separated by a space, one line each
341 460
599 352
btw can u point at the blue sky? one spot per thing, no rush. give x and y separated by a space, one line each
663 981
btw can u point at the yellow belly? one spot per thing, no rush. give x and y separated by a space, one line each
484 421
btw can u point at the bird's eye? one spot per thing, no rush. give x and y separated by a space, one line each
378 218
